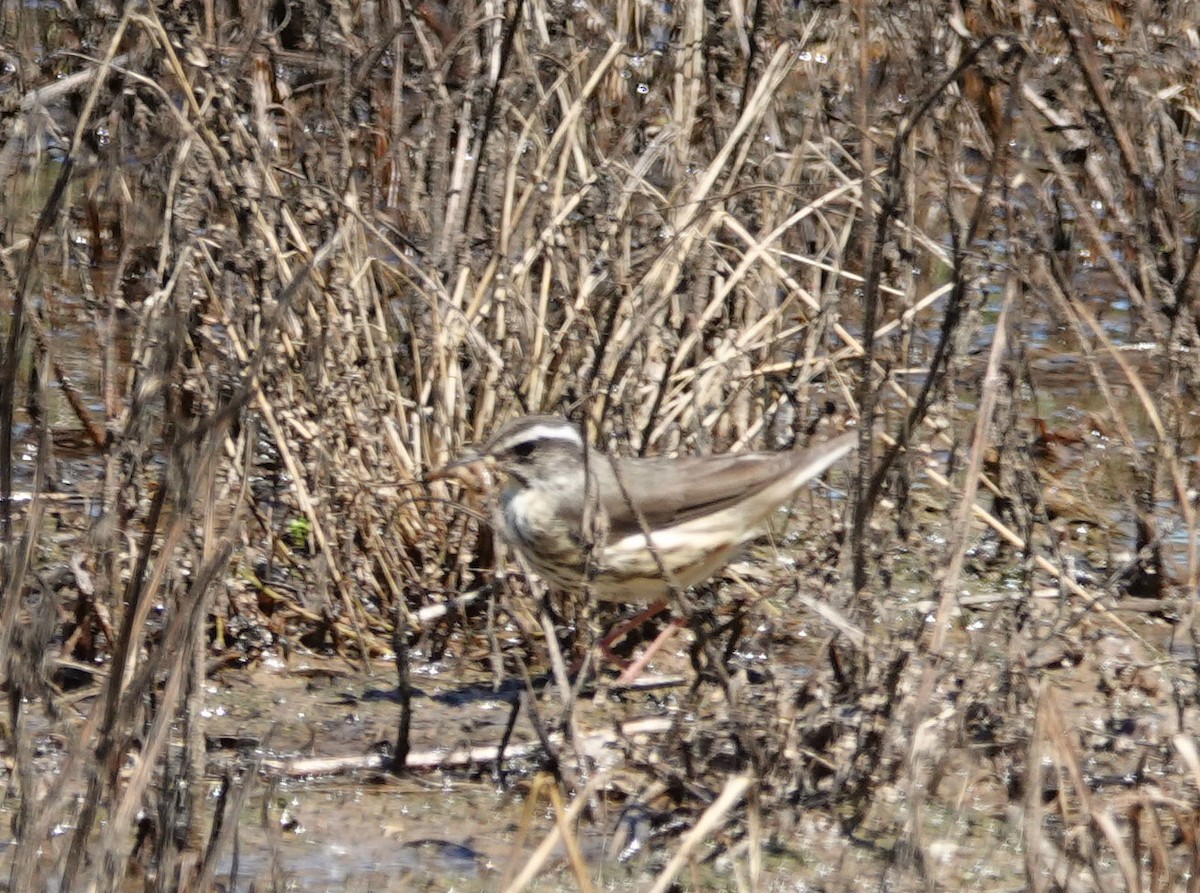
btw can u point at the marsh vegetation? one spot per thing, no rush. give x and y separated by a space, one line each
264 266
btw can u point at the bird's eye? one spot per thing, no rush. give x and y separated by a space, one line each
523 450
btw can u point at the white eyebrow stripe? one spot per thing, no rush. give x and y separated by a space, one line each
542 431
553 432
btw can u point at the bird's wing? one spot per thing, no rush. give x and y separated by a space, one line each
666 491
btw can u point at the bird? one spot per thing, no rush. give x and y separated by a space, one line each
632 531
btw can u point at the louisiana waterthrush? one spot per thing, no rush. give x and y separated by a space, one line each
633 530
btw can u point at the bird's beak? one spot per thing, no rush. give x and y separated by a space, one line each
473 471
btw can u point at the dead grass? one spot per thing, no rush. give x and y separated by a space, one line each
274 268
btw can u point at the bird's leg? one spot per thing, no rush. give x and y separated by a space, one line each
621 630
635 669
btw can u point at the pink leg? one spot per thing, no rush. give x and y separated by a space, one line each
623 629
635 669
